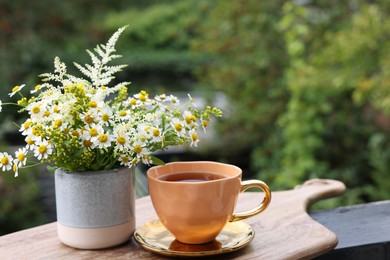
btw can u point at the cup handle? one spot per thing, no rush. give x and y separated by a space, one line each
263 205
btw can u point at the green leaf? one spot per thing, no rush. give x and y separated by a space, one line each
51 169
157 161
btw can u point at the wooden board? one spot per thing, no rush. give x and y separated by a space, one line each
283 231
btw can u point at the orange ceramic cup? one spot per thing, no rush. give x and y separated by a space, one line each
195 200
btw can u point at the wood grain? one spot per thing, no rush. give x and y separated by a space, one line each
283 231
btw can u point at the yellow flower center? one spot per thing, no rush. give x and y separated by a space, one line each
121 140
105 117
123 113
204 123
92 104
30 141
21 157
93 132
75 133
194 136
193 118
156 132
36 110
178 127
103 138
133 101
87 143
125 159
142 98
37 87
188 119
134 161
4 160
88 119
46 114
58 123
56 109
42 149
27 124
138 148
16 88
103 87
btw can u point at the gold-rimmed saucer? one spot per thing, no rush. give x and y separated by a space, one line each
154 237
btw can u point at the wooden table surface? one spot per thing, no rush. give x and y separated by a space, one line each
283 231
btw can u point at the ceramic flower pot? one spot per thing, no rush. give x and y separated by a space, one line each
95 209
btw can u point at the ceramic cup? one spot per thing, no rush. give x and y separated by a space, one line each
195 200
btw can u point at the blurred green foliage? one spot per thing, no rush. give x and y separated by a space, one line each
307 82
310 82
20 207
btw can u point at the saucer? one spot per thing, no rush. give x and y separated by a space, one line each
154 237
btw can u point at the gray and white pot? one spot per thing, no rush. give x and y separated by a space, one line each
95 209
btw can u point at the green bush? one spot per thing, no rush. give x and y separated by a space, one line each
309 83
20 205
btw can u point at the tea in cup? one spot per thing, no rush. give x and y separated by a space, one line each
195 200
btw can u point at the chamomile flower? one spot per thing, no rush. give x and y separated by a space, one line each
174 100
89 117
146 159
106 116
26 127
194 137
59 123
5 161
15 168
122 140
30 142
189 118
144 131
123 115
142 96
125 160
139 149
161 98
42 150
16 89
36 110
204 125
20 157
178 126
36 89
92 132
103 140
156 135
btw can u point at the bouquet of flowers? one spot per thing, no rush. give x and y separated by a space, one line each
80 123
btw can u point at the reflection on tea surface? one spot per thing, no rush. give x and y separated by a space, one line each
191 177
